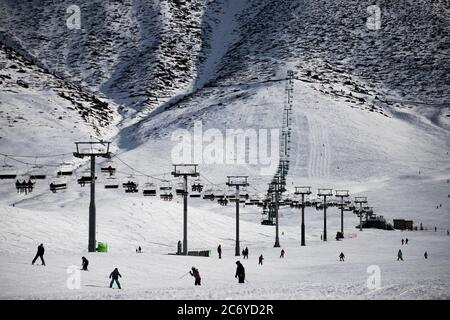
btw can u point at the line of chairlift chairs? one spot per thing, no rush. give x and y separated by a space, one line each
25 184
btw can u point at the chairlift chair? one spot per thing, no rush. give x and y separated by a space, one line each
108 169
111 183
149 190
65 169
8 171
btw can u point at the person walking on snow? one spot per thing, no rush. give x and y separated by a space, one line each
114 276
341 257
403 241
40 254
400 255
282 253
84 264
406 241
219 251
194 272
261 258
240 272
425 255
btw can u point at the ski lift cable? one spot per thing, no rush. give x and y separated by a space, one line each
35 156
135 170
27 163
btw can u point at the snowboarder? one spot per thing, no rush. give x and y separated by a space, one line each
114 276
240 272
400 255
84 264
282 253
342 257
261 258
425 255
219 251
403 241
194 272
406 241
40 254
179 247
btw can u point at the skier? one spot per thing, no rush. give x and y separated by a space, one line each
246 252
341 257
139 249
400 255
240 272
40 254
403 241
282 253
406 241
219 251
425 255
194 272
261 258
114 276
435 229
179 247
448 232
84 263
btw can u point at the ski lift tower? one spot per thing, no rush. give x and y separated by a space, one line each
237 181
325 193
92 150
342 194
185 171
303 191
360 200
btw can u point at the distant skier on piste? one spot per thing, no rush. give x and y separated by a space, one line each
39 254
196 274
219 251
400 255
425 255
342 257
246 253
114 276
240 272
282 253
260 260
84 264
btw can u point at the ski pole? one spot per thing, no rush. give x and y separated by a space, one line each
184 275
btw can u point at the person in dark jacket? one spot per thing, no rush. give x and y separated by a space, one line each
114 276
246 253
261 258
84 263
406 241
282 253
40 254
403 241
219 251
240 272
179 247
342 257
425 255
194 272
400 255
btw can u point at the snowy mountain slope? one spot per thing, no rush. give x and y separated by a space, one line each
369 116
148 54
37 108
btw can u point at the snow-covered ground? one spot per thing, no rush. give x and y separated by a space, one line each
229 72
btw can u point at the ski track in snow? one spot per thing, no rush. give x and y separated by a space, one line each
319 149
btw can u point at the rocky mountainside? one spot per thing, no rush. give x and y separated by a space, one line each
143 54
